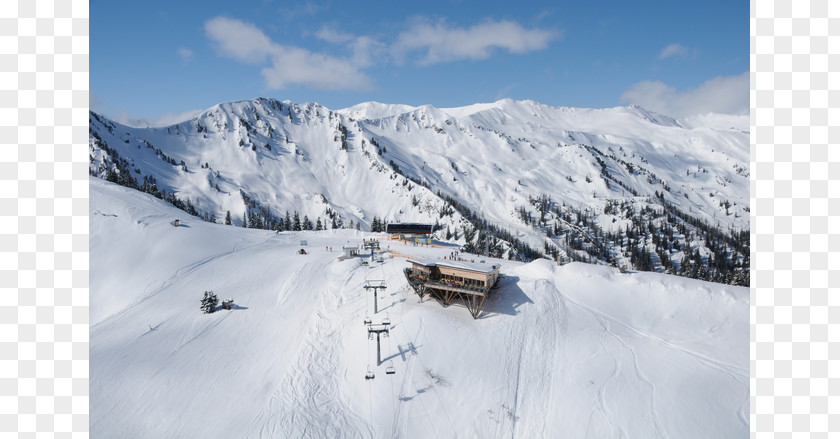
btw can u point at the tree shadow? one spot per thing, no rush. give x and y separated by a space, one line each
232 307
505 298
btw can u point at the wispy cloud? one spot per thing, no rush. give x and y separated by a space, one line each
438 42
290 65
293 65
505 92
185 54
674 50
434 42
723 94
239 40
330 35
363 48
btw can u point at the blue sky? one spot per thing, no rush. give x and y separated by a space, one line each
162 61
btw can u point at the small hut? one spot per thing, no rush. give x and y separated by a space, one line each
351 251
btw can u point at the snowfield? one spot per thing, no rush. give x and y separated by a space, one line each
570 351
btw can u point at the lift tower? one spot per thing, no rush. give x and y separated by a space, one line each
378 329
375 285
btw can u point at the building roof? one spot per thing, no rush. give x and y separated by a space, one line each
460 265
415 228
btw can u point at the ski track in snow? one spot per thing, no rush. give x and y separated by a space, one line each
732 370
308 403
654 416
179 273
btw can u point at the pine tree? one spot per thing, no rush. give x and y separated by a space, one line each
227 219
318 225
244 221
307 225
296 225
209 302
287 224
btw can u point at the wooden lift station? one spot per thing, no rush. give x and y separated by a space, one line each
446 280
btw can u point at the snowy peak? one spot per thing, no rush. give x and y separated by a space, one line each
559 182
374 110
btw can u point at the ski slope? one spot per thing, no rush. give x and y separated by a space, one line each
572 351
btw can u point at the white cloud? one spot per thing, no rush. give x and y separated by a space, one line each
293 65
185 54
441 43
290 65
333 36
674 50
239 40
363 48
723 94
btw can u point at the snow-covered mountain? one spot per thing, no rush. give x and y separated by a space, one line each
621 186
577 350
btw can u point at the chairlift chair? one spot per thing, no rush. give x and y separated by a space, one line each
386 321
369 375
390 369
368 321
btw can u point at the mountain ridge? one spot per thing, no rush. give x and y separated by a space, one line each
477 167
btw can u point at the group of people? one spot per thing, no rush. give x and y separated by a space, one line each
452 256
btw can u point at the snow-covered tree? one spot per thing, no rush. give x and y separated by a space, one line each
209 302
